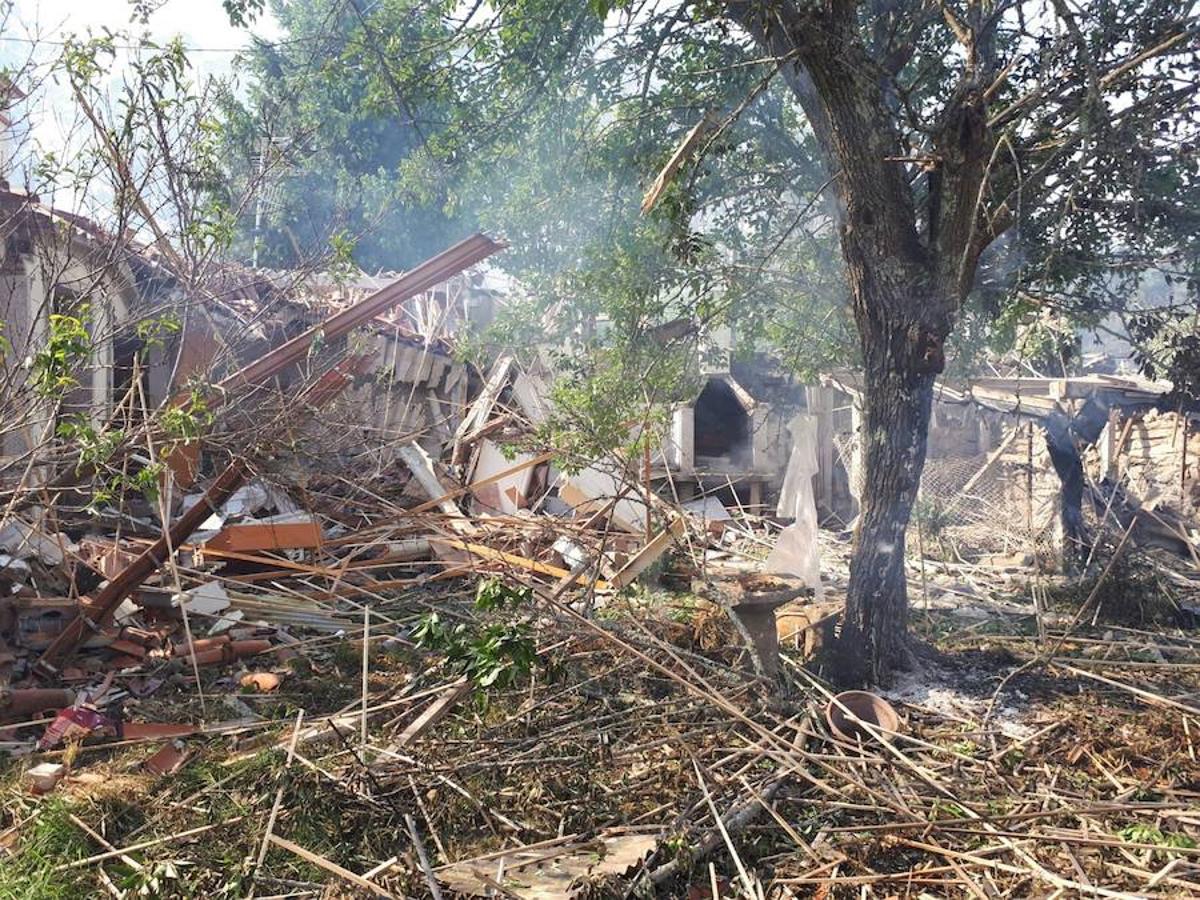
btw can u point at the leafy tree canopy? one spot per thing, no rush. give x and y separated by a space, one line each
333 113
407 122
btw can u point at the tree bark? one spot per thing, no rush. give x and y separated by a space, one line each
909 265
900 364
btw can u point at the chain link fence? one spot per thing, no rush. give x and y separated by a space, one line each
1001 503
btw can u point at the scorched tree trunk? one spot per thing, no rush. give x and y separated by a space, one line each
901 359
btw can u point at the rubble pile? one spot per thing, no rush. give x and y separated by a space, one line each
357 630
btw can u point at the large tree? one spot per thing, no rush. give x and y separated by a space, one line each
1031 101
982 157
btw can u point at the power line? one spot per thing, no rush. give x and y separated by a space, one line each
249 46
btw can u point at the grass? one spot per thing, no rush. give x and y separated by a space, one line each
44 843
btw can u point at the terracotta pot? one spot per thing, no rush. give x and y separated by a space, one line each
868 707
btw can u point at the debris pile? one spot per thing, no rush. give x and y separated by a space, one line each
354 626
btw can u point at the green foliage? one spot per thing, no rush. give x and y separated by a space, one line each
68 345
1141 833
94 447
214 228
147 480
402 126
45 843
328 128
493 595
153 332
341 256
496 654
186 421
157 126
243 12
86 61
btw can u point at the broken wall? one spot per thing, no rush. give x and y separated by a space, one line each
51 266
1155 455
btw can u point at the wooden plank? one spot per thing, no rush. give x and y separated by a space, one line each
649 554
421 466
247 536
512 559
691 141
480 412
331 867
432 714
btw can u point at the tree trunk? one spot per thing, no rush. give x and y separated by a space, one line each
900 364
1064 456
909 265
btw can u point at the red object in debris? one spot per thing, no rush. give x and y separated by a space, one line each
136 731
243 537
209 657
250 648
200 645
128 648
96 612
228 652
26 702
168 760
74 723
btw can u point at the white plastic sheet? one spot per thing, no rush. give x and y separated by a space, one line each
795 552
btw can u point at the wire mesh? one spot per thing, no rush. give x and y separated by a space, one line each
1001 502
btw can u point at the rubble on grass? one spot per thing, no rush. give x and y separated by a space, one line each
347 647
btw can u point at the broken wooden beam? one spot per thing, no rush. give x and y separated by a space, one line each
267 535
428 274
96 614
648 555
333 868
479 414
512 559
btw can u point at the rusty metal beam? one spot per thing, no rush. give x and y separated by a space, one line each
428 274
98 612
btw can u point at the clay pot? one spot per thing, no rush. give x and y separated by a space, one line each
868 707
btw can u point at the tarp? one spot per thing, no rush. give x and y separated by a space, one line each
795 552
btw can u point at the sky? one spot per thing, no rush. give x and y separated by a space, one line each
36 28
202 24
